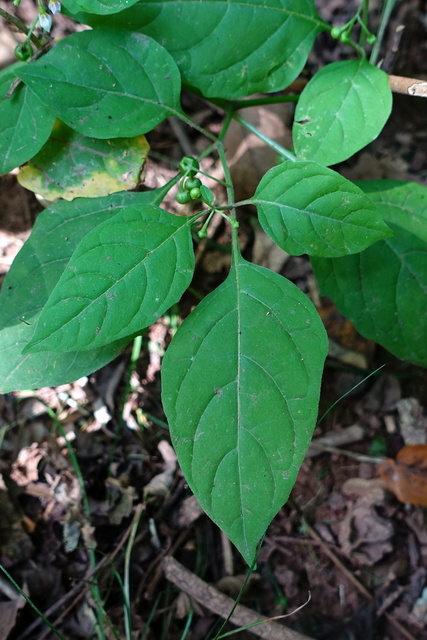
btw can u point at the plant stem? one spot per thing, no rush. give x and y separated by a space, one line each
91 547
20 26
385 18
181 115
126 577
255 102
271 143
363 21
230 187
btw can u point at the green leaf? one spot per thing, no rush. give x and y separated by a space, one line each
25 123
107 83
399 202
241 385
307 208
227 48
341 110
383 290
121 278
30 281
71 165
102 7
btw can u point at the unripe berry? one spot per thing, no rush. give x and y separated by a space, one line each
192 183
195 193
183 197
189 165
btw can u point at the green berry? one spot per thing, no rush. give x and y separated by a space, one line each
345 37
371 39
336 32
189 166
192 183
23 51
183 197
195 193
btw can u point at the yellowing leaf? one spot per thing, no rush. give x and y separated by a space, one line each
71 165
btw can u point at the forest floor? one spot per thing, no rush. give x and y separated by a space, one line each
343 546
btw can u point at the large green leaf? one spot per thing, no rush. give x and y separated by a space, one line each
227 48
307 208
241 385
71 165
121 278
402 203
107 83
98 6
25 123
30 281
383 290
341 110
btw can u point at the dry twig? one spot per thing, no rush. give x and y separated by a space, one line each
408 86
221 605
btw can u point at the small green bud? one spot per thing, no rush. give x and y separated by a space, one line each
345 37
336 32
195 193
234 224
183 197
23 51
371 39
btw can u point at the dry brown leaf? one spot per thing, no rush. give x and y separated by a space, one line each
25 467
8 613
363 533
248 156
406 476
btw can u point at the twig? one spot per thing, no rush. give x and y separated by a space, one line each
350 576
221 605
408 86
336 439
20 26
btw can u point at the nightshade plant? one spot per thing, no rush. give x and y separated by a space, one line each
241 378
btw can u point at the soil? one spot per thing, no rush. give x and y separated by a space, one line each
344 558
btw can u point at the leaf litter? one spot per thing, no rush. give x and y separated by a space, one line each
344 526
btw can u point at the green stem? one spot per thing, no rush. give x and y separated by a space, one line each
235 105
271 143
363 21
181 115
347 393
230 187
126 577
91 548
385 18
21 26
24 595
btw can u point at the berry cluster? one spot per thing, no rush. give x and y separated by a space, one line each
189 187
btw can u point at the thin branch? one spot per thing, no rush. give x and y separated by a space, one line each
408 86
20 26
220 604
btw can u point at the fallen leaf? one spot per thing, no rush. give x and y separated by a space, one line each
25 467
8 613
412 421
406 476
364 534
